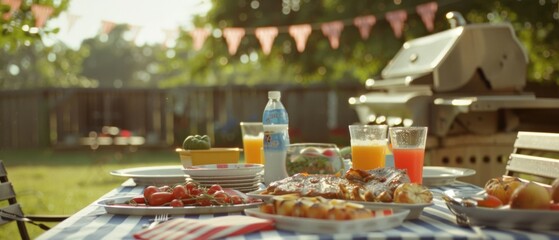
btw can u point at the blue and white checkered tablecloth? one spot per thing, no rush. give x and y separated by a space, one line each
435 222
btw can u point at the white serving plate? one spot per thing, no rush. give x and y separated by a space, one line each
320 226
117 206
233 185
212 170
537 220
415 210
228 178
157 175
232 181
439 176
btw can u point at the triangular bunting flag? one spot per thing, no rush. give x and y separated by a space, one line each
233 38
41 14
199 36
107 26
396 20
364 25
14 6
266 36
333 30
427 12
71 18
300 33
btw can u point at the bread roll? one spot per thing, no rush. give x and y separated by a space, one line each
412 193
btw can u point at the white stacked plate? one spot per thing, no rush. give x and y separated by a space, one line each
242 177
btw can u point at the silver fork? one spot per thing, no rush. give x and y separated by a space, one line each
158 219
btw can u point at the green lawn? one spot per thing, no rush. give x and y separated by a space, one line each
63 182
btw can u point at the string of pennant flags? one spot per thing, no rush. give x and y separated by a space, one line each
332 30
40 12
266 35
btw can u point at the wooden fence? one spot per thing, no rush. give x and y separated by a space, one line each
62 118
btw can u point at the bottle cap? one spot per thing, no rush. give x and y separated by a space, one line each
274 94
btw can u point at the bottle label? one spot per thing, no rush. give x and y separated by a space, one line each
275 141
275 116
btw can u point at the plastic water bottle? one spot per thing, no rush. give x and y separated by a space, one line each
276 138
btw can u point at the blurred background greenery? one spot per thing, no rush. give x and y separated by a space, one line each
114 61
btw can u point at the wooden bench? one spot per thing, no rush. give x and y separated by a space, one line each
535 157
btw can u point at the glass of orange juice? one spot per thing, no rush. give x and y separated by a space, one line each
368 146
408 147
253 141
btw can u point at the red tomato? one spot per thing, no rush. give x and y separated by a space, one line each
176 203
195 192
150 190
165 188
490 202
203 200
190 185
160 198
189 201
180 192
139 199
221 197
236 199
214 188
328 153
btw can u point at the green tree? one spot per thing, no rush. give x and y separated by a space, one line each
27 62
116 62
19 30
40 66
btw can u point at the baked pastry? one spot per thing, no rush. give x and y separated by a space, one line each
412 193
372 186
319 208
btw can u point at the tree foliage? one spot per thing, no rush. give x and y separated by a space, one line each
113 61
356 59
28 63
19 30
117 62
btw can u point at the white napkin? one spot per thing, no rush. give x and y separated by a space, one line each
184 228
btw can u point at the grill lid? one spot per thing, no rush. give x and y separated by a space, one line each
449 60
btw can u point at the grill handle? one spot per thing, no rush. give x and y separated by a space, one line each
455 19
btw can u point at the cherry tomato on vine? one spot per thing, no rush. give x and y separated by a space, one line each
180 192
148 191
160 198
203 200
165 188
190 185
189 201
221 197
236 199
195 192
139 199
214 188
176 203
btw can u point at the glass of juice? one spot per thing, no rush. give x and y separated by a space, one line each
408 148
253 139
368 146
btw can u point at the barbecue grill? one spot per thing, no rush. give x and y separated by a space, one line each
466 84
